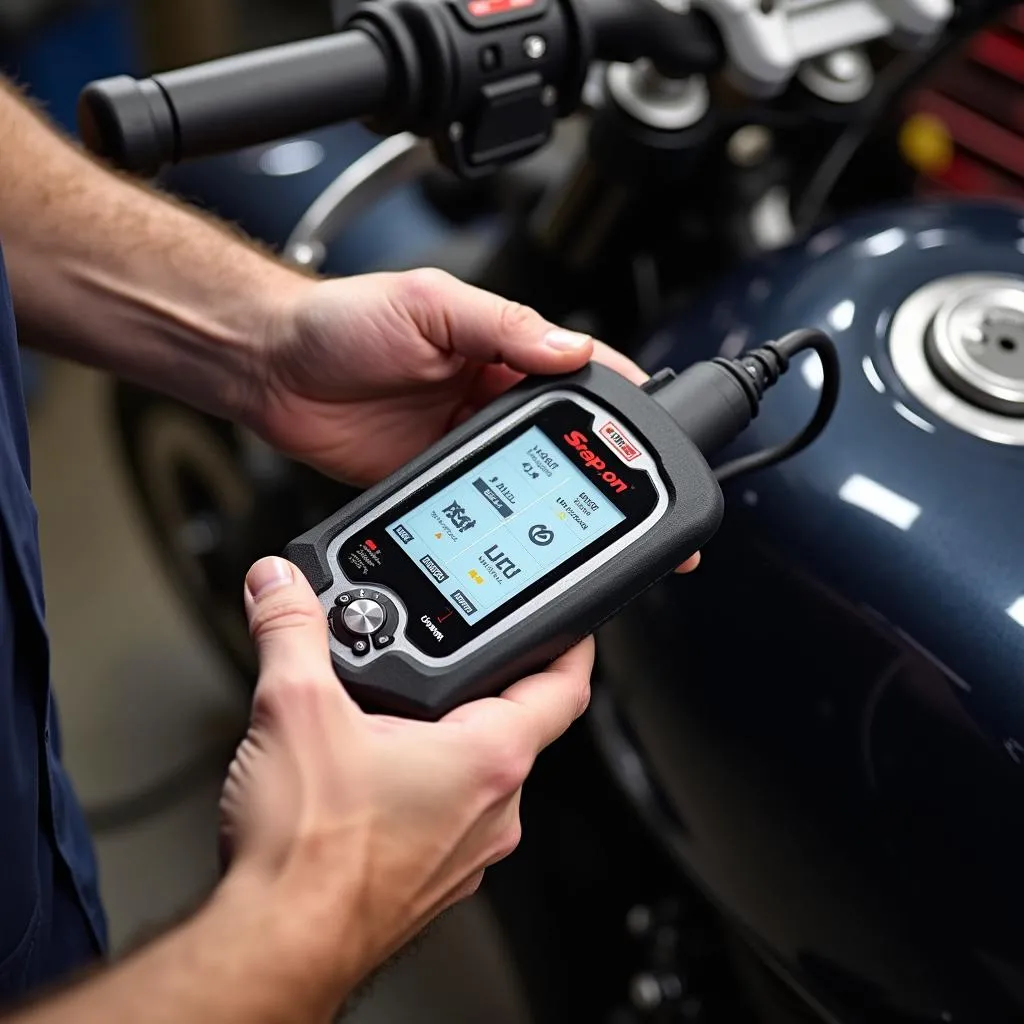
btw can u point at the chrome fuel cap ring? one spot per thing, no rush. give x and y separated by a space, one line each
976 345
957 345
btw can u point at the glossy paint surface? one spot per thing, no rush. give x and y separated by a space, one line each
833 706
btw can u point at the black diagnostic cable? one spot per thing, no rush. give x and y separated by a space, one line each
714 401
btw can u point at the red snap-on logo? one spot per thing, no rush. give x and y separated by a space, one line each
614 436
578 440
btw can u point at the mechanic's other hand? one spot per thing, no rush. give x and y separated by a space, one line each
361 374
372 825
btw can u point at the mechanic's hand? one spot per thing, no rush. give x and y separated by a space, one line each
385 821
361 374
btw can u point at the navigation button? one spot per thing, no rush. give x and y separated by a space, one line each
382 640
364 616
360 647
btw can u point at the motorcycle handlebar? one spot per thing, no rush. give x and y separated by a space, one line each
238 101
484 79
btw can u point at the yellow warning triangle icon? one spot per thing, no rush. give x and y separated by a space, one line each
438 536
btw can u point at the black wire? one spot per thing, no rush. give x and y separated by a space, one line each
787 347
176 786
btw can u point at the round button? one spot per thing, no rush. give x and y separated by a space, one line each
364 617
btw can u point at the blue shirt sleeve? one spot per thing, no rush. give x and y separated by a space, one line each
51 920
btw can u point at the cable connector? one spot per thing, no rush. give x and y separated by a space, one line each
714 401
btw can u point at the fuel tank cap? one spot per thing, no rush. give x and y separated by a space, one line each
976 345
957 344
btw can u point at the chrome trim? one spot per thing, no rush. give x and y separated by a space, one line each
843 76
907 338
668 104
396 161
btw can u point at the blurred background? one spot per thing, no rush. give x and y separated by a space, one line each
150 711
152 681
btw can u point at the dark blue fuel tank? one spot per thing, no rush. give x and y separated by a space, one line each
832 708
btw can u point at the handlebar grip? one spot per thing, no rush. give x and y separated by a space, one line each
234 102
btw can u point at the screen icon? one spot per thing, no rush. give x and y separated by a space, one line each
403 534
541 535
460 519
493 498
464 602
433 569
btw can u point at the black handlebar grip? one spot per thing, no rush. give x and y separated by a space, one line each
129 122
234 102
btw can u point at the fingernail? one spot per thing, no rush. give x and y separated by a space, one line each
266 575
565 341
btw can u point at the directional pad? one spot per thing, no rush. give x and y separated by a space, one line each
363 616
359 615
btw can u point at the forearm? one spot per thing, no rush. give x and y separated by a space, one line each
241 958
105 271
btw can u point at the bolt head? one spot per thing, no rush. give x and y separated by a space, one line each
843 66
535 47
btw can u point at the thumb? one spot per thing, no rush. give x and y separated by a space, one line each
486 328
287 624
263 791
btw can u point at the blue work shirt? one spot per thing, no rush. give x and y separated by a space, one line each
51 921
